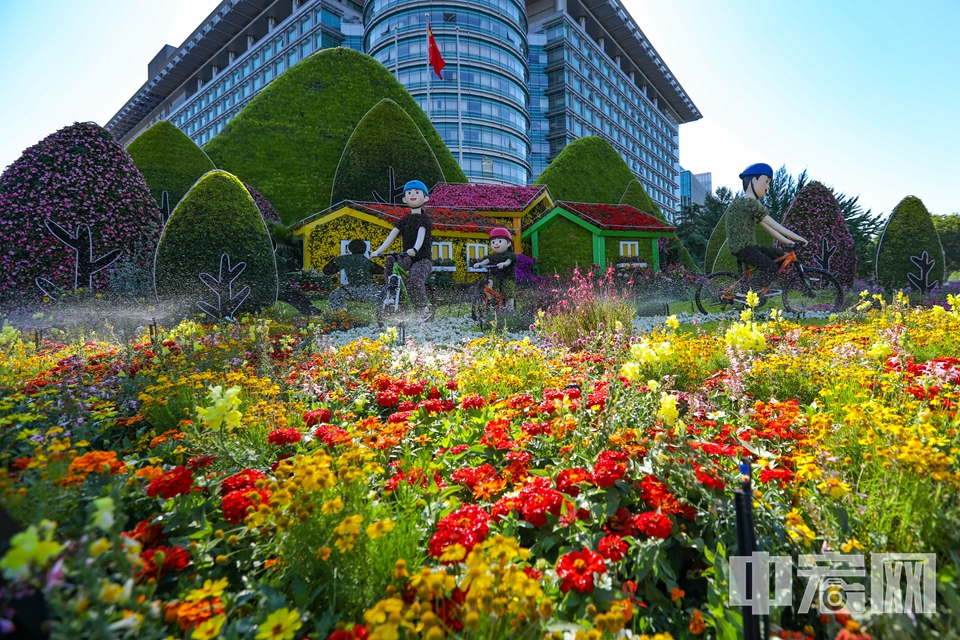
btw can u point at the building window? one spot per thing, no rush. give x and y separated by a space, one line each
630 249
443 251
344 250
475 253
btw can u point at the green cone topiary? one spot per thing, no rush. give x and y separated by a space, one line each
385 138
216 218
169 161
288 141
587 170
636 196
909 253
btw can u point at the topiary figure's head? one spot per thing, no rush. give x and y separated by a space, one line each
357 247
415 194
756 179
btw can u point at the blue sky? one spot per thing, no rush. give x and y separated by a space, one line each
863 94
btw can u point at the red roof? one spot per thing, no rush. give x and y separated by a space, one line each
484 197
616 217
443 218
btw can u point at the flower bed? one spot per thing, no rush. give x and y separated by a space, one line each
256 480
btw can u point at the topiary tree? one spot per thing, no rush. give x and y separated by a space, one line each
267 212
815 214
383 153
587 170
72 208
215 254
288 141
169 161
909 253
636 196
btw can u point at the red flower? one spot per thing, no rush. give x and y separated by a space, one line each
472 401
612 548
331 435
161 560
280 437
317 416
411 389
537 499
148 535
246 479
620 523
609 468
388 398
237 504
655 525
200 462
568 479
783 475
709 480
532 573
576 570
358 632
175 482
467 526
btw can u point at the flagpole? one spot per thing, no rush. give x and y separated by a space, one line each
428 65
396 51
459 118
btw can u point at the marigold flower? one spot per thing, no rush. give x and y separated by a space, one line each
577 568
280 437
175 482
612 548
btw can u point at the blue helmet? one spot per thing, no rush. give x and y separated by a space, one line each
416 184
757 169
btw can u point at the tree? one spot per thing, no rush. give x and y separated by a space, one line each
783 189
169 161
67 206
215 254
949 229
864 227
909 252
696 223
288 141
587 170
383 153
815 214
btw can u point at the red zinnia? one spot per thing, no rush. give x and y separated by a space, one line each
612 548
246 479
175 482
148 535
576 570
162 560
317 416
467 526
388 398
655 525
280 437
568 479
237 504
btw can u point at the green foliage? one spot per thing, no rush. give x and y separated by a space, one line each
216 217
288 141
386 137
948 227
636 196
783 189
725 261
563 246
865 227
587 170
909 232
169 161
696 224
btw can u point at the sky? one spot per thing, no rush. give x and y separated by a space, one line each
865 95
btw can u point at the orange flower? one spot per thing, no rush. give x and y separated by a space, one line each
676 593
95 462
188 614
148 472
697 625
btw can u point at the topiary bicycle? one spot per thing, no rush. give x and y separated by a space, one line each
809 289
389 306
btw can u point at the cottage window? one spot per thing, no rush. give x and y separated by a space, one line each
475 253
344 250
630 249
443 251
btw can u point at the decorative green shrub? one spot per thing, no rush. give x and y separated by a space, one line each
815 214
638 197
80 181
288 141
385 138
563 246
909 234
717 239
587 170
216 217
169 161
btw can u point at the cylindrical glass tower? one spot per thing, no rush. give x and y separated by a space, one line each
495 146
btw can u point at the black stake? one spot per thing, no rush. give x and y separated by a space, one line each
747 544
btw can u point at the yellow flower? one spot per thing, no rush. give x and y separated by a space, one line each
346 543
99 546
210 589
223 409
282 624
209 629
836 488
331 506
850 545
453 553
349 526
668 408
324 553
27 547
672 322
380 528
752 299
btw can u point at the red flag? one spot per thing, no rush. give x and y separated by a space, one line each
436 60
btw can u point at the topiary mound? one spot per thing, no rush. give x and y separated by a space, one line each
267 212
288 141
909 253
216 218
169 161
587 170
638 197
386 138
815 214
81 182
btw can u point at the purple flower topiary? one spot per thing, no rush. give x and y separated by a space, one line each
77 176
815 214
267 212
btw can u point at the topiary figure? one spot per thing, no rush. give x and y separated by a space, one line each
717 239
169 161
815 214
909 253
384 152
215 255
288 140
587 170
636 196
72 208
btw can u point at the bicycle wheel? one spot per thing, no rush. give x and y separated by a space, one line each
717 292
813 290
478 309
389 305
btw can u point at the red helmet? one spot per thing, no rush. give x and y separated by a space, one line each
501 232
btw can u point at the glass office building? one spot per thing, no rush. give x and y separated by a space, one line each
531 77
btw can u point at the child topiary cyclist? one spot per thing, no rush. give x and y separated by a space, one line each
743 215
505 261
